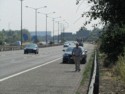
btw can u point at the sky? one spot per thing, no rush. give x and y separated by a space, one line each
10 14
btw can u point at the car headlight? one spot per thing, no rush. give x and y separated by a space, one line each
25 48
34 48
83 53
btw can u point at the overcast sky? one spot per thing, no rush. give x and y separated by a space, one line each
68 10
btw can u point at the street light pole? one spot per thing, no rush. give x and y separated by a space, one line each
46 25
21 22
58 31
64 28
36 19
46 14
46 28
54 26
63 33
36 25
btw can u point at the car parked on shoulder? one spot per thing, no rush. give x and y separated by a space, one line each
67 56
31 48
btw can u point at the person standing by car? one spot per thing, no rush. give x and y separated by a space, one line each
77 54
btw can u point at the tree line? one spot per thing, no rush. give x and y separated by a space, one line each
11 36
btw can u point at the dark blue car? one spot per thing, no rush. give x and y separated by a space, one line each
31 48
67 56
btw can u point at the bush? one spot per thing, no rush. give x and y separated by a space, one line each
112 43
120 67
1 42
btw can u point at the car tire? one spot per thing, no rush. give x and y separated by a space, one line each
25 52
64 62
70 61
36 52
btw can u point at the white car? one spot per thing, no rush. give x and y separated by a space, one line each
65 46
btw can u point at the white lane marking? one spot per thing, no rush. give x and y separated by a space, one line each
17 74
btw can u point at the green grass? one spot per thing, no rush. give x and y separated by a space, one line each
77 93
87 72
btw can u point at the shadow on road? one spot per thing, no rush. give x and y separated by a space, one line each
70 63
65 63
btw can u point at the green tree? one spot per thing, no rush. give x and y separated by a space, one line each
11 36
1 38
94 35
109 11
112 43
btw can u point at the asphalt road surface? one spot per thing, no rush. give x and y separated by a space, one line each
39 74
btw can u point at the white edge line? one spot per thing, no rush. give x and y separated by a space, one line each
17 74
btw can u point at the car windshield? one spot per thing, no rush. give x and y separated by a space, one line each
65 46
31 45
69 49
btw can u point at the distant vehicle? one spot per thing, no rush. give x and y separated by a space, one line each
31 48
67 56
65 46
80 41
81 44
18 43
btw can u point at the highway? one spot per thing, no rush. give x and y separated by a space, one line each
39 74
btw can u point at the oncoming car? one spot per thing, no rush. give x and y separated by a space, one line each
31 48
67 56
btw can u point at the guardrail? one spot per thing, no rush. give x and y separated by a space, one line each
93 87
11 48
